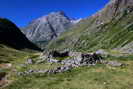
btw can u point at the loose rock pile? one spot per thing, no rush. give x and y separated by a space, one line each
74 59
51 71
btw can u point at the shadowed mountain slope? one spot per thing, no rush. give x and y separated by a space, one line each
11 35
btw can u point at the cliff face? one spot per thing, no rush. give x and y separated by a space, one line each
109 28
113 9
46 28
11 35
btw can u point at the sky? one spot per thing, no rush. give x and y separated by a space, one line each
21 12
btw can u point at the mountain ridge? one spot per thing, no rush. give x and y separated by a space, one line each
110 28
46 28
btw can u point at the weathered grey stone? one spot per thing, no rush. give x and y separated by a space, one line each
115 63
29 61
102 52
30 71
47 28
76 60
22 65
53 60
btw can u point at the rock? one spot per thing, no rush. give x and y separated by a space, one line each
102 52
74 54
115 63
53 60
31 71
91 58
47 28
73 60
22 65
83 60
63 68
29 61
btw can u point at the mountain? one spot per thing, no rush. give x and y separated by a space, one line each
46 28
11 36
110 28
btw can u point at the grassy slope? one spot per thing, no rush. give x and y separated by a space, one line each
8 54
14 57
95 77
86 37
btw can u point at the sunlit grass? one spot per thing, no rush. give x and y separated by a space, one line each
95 77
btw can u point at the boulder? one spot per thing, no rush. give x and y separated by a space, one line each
29 61
91 58
114 63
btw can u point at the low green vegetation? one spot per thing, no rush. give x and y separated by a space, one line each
8 54
90 37
94 77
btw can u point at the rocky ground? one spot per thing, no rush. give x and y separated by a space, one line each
52 69
67 61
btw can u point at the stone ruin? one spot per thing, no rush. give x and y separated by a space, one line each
91 58
58 54
76 57
73 59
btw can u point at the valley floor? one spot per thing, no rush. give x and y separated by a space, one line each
95 77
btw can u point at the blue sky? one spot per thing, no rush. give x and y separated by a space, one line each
21 12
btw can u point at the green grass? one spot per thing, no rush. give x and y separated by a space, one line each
8 54
62 58
94 77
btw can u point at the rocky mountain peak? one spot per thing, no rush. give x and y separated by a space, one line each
53 15
48 27
58 13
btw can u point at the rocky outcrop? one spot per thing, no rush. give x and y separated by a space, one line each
11 35
74 60
67 64
46 28
51 71
113 10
